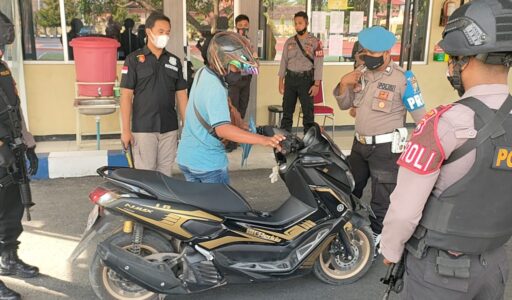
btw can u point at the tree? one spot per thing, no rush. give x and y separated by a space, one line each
49 16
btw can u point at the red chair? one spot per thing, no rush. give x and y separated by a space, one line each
320 109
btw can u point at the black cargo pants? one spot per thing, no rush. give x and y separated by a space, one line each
378 163
11 213
297 85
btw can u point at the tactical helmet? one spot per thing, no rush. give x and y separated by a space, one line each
480 28
230 48
6 30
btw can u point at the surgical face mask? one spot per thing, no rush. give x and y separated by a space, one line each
160 41
233 77
2 50
301 32
372 62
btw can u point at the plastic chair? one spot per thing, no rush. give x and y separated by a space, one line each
320 109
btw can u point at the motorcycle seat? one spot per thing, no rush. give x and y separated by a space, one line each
219 198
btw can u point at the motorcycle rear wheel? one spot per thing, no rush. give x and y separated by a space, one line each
331 268
108 285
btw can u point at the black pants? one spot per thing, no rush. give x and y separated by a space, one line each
239 94
11 213
378 163
297 86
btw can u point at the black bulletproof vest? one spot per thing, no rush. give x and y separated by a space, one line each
8 97
474 214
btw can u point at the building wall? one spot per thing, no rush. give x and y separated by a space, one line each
50 91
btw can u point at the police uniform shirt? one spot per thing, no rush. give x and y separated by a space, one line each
154 82
380 108
408 199
8 86
294 60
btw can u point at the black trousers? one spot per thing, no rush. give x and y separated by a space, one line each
297 87
239 94
11 213
378 163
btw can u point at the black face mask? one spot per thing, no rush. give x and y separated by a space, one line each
456 79
301 32
232 78
372 62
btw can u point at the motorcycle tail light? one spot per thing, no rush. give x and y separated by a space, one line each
102 196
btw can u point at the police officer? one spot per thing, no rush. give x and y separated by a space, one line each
381 94
300 73
152 80
11 208
451 207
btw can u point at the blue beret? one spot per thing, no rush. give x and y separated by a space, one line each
376 39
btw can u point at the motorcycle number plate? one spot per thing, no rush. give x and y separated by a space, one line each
93 216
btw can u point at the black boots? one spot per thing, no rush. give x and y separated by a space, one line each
8 294
10 264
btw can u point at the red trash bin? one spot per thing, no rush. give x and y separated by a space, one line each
95 61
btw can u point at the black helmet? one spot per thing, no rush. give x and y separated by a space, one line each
480 28
6 30
228 47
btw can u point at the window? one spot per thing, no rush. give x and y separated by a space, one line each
390 14
337 23
277 25
204 18
42 36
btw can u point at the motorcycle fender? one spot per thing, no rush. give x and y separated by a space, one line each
104 226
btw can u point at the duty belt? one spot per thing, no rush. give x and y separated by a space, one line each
300 74
374 139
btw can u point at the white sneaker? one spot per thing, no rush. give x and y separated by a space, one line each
376 239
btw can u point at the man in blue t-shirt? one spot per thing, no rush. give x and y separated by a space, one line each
201 154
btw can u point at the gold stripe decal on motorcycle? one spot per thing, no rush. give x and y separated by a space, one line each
172 222
326 190
289 234
233 239
196 214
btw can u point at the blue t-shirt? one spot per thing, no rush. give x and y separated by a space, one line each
199 150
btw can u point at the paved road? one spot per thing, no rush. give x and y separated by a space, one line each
59 219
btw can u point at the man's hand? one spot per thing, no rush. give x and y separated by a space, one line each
127 139
352 112
313 91
387 262
33 160
274 141
351 79
281 87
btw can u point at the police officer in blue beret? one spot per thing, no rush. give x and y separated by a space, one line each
381 93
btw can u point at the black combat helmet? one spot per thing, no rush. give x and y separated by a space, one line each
481 28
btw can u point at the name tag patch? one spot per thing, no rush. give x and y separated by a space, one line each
502 158
386 86
168 66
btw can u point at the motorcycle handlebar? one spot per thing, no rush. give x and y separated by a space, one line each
291 144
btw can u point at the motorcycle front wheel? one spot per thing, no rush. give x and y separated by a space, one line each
333 267
108 285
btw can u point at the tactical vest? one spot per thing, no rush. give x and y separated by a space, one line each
8 99
474 214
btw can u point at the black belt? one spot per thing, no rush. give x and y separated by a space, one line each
300 74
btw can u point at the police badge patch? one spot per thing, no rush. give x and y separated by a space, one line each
173 61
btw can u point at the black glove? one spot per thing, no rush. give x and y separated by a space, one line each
7 158
34 161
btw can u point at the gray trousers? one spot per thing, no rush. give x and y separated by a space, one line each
487 278
155 151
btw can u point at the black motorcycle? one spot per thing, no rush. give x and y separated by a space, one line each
177 237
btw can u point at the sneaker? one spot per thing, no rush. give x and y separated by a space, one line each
376 240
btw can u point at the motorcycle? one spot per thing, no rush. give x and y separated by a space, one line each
178 237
